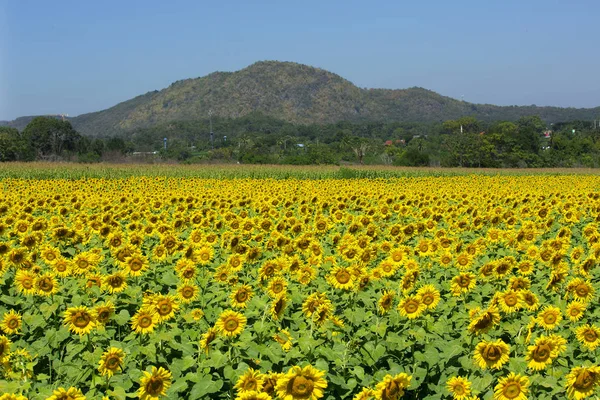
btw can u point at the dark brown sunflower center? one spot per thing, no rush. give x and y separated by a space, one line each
590 336
103 315
81 319
277 287
463 281
145 321
492 353
82 264
135 264
231 324
300 387
12 323
549 318
582 290
459 390
392 391
542 352
112 362
46 285
115 281
187 292
154 386
428 299
584 381
241 296
27 283
164 307
342 277
411 306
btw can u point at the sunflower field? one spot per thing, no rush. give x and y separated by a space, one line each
451 287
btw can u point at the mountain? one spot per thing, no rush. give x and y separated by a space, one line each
300 94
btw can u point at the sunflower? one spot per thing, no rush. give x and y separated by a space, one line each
197 314
341 278
104 312
582 381
4 348
526 267
323 314
136 264
231 323
115 283
278 307
530 300
241 296
388 268
301 383
491 355
540 355
483 321
589 336
208 338
165 306
25 281
144 320
62 267
575 310
270 382
392 387
250 381
430 296
80 320
111 361
549 317
276 287
459 387
411 307
284 339
462 283
510 301
187 293
313 302
67 394
11 322
581 290
50 254
512 387
159 253
252 395
154 384
365 394
46 285
12 396
386 301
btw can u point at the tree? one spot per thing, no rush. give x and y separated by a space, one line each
12 146
50 136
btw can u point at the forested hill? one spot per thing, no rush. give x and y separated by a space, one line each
299 94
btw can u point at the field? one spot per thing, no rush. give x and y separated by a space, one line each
335 283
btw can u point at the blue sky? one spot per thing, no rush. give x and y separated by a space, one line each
80 56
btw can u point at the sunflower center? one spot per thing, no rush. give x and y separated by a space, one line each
428 299
277 287
463 281
164 307
492 353
187 292
585 381
549 318
582 290
542 353
112 362
115 281
459 390
81 319
590 336
250 384
392 391
301 387
46 285
574 312
511 299
205 256
135 264
27 283
241 296
154 386
342 277
512 390
103 316
411 306
145 321
50 257
231 324
12 323
188 273
82 264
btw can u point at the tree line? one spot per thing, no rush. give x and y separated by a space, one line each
255 138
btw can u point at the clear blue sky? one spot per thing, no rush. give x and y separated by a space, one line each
80 56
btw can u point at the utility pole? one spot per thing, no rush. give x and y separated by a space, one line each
212 145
